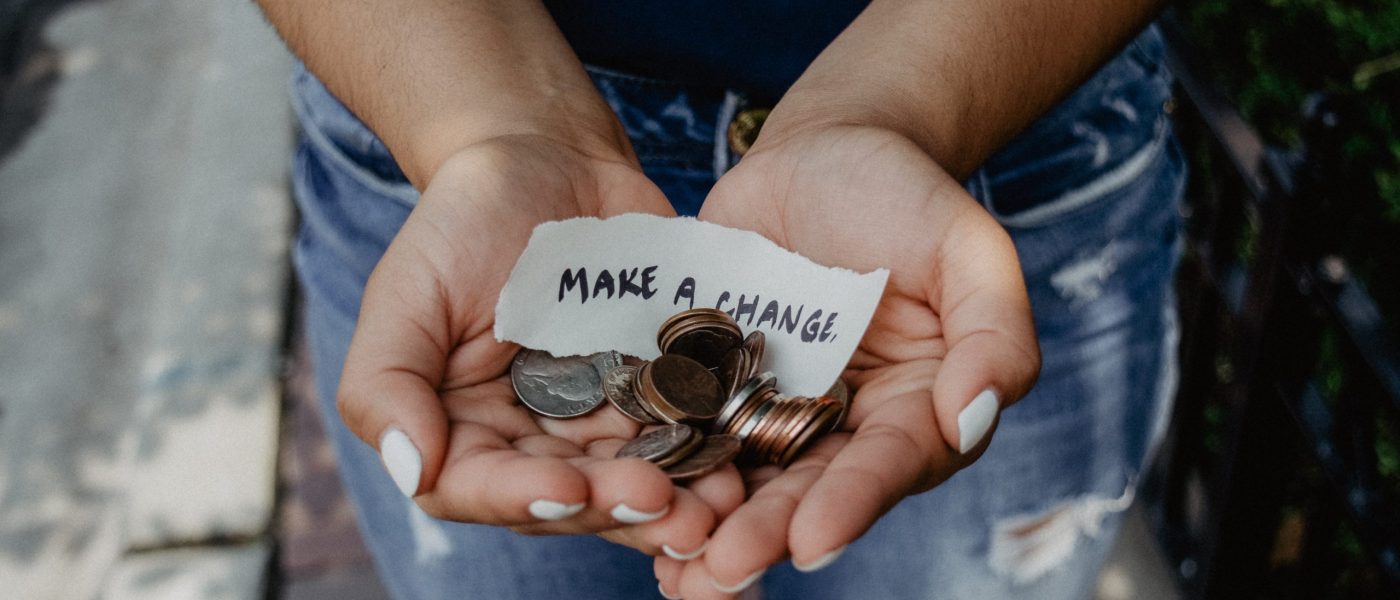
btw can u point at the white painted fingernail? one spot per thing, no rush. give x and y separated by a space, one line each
664 594
627 514
738 587
975 420
821 562
550 510
680 556
401 459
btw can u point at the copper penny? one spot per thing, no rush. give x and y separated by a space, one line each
706 346
822 424
715 452
733 371
754 344
684 389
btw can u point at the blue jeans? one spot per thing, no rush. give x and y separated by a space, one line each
1090 195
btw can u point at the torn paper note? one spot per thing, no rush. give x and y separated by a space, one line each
587 285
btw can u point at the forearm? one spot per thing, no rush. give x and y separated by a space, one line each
959 77
430 77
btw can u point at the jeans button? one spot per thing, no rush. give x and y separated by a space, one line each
743 130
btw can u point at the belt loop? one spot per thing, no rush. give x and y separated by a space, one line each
727 110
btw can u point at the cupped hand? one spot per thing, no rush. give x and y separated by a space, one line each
951 343
427 384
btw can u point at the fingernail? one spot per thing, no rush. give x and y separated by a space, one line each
550 510
680 556
975 420
738 587
821 562
401 459
627 514
664 594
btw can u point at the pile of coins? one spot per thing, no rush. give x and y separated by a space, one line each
705 391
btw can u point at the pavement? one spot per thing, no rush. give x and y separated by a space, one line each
144 228
158 437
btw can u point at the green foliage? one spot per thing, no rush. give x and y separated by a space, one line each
1270 55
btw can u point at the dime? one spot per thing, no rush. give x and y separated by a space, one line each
682 390
606 361
556 387
715 452
617 387
665 446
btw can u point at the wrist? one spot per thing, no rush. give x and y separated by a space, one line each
435 141
815 106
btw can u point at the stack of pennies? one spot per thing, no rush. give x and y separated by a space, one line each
705 395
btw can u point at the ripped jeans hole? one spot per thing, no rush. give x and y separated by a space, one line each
1027 546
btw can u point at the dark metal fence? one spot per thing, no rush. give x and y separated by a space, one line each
1274 482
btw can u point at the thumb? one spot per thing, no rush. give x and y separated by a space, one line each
993 358
388 389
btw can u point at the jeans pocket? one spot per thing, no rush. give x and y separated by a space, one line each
1108 127
1038 196
345 143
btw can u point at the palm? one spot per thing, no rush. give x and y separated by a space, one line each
865 199
425 343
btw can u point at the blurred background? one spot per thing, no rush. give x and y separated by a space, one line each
158 439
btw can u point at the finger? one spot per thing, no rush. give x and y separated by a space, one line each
488 480
668 576
884 461
993 358
755 536
606 422
697 583
627 491
681 535
622 492
388 389
722 490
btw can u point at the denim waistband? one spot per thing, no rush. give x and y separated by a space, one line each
1102 128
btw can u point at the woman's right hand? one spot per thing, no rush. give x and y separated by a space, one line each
428 385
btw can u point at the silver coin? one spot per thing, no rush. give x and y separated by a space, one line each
665 446
715 452
556 387
617 387
606 361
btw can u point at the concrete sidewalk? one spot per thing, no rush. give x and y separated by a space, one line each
144 225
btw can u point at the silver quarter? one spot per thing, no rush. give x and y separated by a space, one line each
559 387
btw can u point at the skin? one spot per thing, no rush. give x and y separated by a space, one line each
489 113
